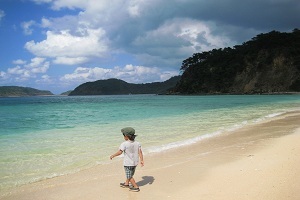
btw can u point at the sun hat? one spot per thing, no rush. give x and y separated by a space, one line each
128 131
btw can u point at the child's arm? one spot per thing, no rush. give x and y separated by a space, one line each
141 157
116 154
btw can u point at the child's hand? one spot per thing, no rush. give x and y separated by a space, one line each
142 163
116 154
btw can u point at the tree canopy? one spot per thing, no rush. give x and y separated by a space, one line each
267 63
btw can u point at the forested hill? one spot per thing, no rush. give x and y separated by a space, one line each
116 86
268 63
15 91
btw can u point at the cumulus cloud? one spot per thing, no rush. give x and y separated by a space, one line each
15 70
68 48
19 74
23 71
38 65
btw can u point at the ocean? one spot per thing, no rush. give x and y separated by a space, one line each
45 137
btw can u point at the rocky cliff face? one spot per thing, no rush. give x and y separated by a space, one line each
280 76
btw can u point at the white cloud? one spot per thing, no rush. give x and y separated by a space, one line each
3 75
18 73
200 35
16 70
82 74
38 65
43 68
26 26
96 5
70 61
35 62
71 4
25 71
65 46
19 62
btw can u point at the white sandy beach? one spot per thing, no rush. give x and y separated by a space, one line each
256 162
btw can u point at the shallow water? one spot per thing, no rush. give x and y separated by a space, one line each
44 137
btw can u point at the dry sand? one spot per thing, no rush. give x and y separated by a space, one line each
256 162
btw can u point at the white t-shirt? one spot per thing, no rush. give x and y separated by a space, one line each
131 152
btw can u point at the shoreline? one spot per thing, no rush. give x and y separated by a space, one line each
167 94
193 170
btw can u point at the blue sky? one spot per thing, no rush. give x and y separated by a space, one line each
57 45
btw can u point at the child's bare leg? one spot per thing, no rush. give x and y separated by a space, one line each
127 182
133 183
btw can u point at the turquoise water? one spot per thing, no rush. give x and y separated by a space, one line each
44 137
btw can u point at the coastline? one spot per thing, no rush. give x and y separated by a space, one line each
255 162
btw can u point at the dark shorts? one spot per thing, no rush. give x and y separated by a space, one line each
129 171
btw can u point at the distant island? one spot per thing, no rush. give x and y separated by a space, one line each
117 86
269 63
16 91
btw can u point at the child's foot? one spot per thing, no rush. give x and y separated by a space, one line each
123 185
133 189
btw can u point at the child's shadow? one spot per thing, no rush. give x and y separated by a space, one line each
146 180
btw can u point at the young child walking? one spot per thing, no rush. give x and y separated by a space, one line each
132 155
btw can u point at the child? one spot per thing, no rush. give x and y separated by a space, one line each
132 154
